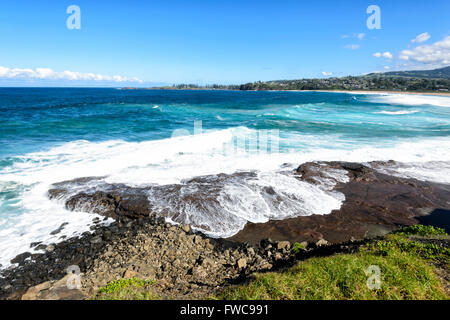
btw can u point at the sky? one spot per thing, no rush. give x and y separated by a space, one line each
154 42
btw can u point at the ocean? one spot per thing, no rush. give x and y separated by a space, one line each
237 144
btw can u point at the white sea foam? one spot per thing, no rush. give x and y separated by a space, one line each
172 161
400 112
41 216
410 99
228 202
436 171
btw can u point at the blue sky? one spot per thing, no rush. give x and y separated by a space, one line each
196 41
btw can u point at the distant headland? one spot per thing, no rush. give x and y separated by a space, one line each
435 81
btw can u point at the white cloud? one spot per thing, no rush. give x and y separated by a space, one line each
327 74
404 55
437 53
421 37
387 55
49 74
359 36
387 67
352 46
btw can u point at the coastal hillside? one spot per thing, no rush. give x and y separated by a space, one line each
367 83
437 80
441 73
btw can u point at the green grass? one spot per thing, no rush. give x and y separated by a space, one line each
407 272
421 230
428 251
298 247
127 289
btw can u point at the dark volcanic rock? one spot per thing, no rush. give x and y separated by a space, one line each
375 203
60 228
120 201
117 201
99 202
21 258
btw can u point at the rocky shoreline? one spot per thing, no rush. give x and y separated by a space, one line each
186 264
183 263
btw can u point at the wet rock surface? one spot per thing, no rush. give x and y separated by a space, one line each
115 201
375 203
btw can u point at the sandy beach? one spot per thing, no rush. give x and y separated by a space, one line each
443 94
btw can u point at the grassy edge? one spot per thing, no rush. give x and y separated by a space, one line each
407 271
127 289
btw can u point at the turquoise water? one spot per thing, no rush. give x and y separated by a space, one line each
35 119
146 137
